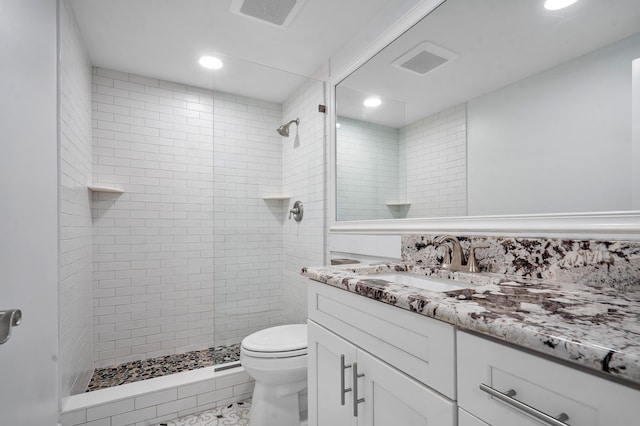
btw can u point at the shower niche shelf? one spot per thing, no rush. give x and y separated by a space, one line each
104 188
276 197
398 203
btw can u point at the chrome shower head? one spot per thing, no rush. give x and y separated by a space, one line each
284 129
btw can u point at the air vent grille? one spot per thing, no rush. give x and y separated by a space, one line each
424 58
423 62
278 13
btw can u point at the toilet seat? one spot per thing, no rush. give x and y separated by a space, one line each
283 341
289 354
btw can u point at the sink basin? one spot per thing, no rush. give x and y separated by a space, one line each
423 282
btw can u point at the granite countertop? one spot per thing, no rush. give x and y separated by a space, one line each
596 327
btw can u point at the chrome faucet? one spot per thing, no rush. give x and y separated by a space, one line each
454 258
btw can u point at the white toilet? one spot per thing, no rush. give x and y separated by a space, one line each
277 359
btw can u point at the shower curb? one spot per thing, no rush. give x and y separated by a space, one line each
151 401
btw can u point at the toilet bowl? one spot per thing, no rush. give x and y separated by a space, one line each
276 358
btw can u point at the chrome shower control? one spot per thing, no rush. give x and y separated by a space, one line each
297 211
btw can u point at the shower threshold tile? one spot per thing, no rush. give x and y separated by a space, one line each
155 367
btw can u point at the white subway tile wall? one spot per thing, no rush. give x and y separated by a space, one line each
423 163
247 229
151 407
436 156
160 246
76 289
303 176
367 168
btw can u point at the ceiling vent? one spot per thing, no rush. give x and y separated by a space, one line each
424 58
278 13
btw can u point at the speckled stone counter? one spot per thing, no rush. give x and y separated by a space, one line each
596 327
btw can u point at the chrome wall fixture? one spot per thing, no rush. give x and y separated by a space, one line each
297 211
284 129
8 319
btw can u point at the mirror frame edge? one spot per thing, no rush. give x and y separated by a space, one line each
601 225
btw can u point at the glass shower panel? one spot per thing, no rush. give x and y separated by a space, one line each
251 199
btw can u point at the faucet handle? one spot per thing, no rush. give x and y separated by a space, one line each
472 262
446 261
297 211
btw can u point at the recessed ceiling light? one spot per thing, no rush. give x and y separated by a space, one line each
210 62
372 102
558 4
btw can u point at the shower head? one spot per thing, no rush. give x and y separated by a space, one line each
284 129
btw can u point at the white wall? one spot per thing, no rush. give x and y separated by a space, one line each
29 213
436 165
303 177
558 141
367 169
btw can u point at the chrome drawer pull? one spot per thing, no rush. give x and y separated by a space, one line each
507 398
356 401
343 391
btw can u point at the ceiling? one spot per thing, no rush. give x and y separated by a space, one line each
496 43
164 38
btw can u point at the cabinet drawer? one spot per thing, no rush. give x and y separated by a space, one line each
549 387
421 347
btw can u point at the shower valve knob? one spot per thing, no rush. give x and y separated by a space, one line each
297 211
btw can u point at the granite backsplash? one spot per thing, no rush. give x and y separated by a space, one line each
591 262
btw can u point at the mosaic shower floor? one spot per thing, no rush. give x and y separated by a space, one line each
229 415
155 367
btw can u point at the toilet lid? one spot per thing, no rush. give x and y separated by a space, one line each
283 338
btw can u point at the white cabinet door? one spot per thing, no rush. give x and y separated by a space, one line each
390 396
393 398
325 385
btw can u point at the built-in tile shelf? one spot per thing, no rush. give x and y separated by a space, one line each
104 188
275 197
398 203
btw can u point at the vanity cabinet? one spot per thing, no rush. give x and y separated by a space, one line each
551 388
380 395
415 368
351 336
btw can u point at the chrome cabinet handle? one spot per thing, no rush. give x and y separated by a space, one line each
343 391
356 401
9 319
507 398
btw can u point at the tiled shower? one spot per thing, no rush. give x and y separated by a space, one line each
418 169
189 255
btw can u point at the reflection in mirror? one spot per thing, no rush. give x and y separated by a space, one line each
495 107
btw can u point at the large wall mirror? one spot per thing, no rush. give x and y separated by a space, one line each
495 107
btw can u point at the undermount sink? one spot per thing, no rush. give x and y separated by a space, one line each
423 282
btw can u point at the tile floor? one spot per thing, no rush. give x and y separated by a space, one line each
155 367
229 415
